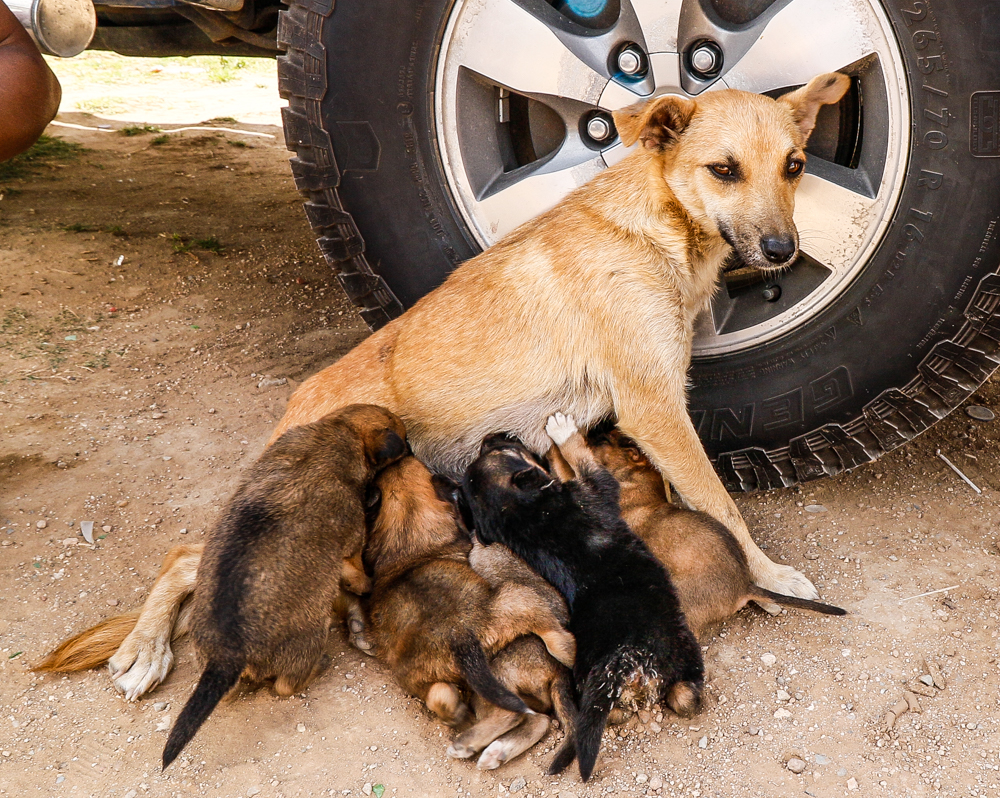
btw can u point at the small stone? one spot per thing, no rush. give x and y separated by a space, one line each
251 791
971 726
68 541
852 783
164 723
645 716
367 788
927 679
184 531
841 772
272 382
301 727
159 706
815 508
655 783
642 778
752 731
768 659
782 713
795 765
703 742
211 410
979 413
157 415
131 794
167 457
112 602
822 760
121 503
655 727
783 696
42 524
518 784
60 778
567 794
106 528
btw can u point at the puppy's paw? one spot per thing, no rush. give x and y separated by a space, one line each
459 751
561 645
494 755
357 636
785 580
560 428
140 664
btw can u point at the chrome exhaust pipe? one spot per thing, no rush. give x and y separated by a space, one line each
59 27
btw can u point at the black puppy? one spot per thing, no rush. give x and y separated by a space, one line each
634 647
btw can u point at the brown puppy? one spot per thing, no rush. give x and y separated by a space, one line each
433 620
524 666
590 307
708 568
273 565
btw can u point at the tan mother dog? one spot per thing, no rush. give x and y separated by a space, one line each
588 308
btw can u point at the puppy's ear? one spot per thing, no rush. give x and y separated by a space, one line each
657 123
530 478
447 490
498 440
805 103
388 448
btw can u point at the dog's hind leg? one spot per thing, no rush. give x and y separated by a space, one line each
518 610
491 722
445 701
514 743
144 658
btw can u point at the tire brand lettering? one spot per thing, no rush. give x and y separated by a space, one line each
831 389
728 422
784 410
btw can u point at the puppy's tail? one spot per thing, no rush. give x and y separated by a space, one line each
216 680
472 662
92 647
584 739
565 707
757 592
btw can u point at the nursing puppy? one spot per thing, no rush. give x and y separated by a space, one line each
274 563
634 647
433 619
706 564
524 667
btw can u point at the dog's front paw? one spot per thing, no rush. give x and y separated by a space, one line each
785 580
560 428
140 664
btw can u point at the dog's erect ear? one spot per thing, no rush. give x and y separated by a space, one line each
499 440
388 449
657 123
805 102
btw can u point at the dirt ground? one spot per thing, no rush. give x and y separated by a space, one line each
151 297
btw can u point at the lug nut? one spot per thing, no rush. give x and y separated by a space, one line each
599 129
772 293
630 60
706 59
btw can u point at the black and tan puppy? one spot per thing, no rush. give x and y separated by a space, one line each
708 568
273 564
433 619
524 667
634 647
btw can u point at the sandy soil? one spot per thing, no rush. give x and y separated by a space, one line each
134 390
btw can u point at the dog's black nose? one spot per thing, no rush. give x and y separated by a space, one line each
777 249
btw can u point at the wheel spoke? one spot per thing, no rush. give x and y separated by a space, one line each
831 217
802 40
525 198
505 44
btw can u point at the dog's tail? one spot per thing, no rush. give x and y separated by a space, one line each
583 741
91 648
566 711
216 680
472 662
757 592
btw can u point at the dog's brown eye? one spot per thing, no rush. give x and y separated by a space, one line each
795 167
721 170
